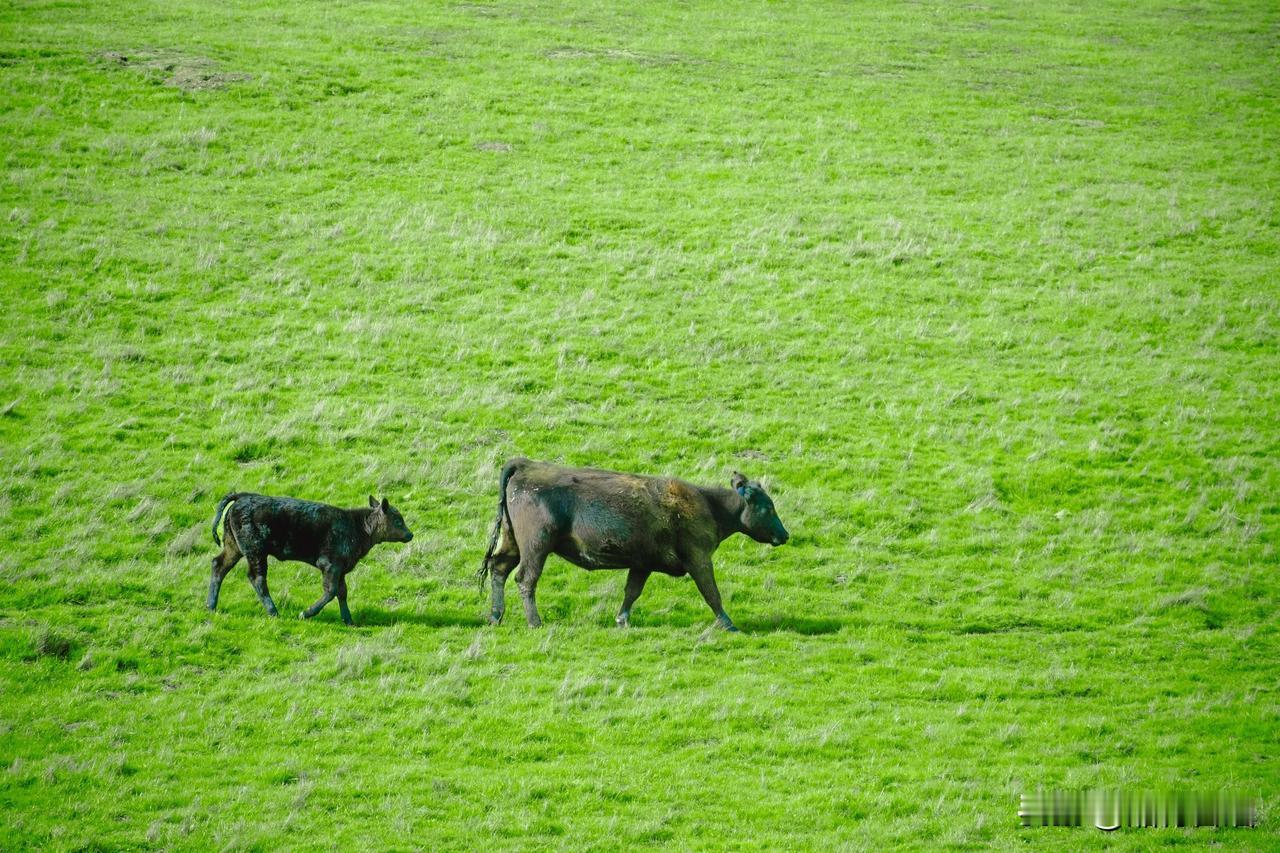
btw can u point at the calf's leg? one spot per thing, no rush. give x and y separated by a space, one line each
330 577
706 581
342 601
222 564
258 577
635 585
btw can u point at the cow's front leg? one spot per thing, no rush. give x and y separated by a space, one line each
706 581
635 586
330 577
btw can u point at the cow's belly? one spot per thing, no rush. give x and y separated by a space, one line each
591 556
591 559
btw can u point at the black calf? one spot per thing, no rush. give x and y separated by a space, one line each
329 538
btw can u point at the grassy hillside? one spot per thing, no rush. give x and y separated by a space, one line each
985 293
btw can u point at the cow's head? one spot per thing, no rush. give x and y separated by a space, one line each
386 523
759 519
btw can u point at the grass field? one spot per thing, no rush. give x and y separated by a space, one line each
985 293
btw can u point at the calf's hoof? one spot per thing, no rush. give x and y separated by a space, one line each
302 614
622 622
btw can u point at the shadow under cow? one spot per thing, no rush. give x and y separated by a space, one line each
379 617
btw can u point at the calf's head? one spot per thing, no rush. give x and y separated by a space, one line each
386 524
759 519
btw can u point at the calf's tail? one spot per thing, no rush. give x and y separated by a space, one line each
217 515
507 471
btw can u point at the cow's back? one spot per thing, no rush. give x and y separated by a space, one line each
609 519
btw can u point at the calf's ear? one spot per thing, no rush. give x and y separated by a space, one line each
738 481
373 502
385 506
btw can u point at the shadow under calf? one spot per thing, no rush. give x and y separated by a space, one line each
328 537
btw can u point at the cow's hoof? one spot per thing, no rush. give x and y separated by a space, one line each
623 623
302 614
732 629
495 618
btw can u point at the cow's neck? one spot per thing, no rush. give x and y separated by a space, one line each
726 507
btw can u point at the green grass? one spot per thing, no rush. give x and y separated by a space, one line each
986 294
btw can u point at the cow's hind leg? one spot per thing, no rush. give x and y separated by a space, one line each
534 533
531 565
500 567
222 564
258 577
635 586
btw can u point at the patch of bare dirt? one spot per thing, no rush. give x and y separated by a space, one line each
173 68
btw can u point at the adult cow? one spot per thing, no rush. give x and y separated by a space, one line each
606 520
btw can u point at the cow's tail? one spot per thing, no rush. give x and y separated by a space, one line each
507 471
217 515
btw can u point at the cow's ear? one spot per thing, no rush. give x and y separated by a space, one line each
385 506
373 502
738 481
